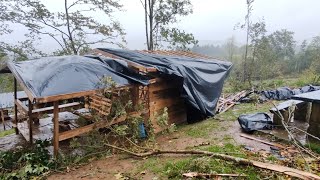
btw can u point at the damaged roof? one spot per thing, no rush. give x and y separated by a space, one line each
53 76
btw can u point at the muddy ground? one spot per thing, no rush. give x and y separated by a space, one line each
212 133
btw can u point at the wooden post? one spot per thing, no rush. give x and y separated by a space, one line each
309 110
15 107
135 96
55 128
2 117
30 107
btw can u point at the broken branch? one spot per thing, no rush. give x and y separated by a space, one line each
273 167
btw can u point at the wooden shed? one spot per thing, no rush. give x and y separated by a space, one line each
162 92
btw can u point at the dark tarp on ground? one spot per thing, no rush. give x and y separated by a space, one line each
65 74
202 79
284 93
257 121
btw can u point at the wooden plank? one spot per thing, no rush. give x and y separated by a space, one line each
50 109
166 102
100 102
30 106
100 98
162 86
55 128
76 132
65 96
22 107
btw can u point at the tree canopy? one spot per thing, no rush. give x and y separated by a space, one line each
72 28
160 16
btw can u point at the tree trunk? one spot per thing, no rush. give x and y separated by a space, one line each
151 5
68 26
146 23
247 41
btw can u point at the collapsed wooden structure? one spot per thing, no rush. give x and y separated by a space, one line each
159 94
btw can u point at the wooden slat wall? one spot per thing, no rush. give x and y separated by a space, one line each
166 94
100 104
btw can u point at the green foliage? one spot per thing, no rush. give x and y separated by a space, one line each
26 162
174 170
309 76
160 15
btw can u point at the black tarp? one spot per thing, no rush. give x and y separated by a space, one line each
284 93
202 79
67 74
257 121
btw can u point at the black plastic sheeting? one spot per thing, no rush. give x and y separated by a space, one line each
285 93
68 74
253 122
202 79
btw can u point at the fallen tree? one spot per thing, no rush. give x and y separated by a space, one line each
273 167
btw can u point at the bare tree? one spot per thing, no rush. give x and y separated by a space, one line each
247 25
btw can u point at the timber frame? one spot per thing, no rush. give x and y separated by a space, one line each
154 95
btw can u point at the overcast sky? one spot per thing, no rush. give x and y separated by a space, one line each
213 21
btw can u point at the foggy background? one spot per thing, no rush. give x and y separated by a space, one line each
212 21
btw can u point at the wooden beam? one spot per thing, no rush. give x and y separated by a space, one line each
30 106
55 128
64 96
15 106
62 107
2 118
85 129
23 108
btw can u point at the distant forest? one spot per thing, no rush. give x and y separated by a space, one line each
270 55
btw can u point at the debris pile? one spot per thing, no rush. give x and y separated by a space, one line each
227 102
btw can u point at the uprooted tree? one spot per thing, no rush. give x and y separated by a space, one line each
160 15
71 28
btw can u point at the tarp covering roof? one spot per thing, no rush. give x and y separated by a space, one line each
65 74
202 78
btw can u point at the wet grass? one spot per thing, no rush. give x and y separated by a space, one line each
7 132
200 129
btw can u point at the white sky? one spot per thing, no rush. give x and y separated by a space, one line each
213 21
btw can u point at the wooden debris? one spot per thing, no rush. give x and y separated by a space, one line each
209 175
225 103
278 168
262 141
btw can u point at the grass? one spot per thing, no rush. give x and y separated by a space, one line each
200 129
173 167
7 132
245 108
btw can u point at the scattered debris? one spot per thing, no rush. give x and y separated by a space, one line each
226 102
278 168
209 176
264 142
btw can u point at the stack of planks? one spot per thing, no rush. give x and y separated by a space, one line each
166 94
227 102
